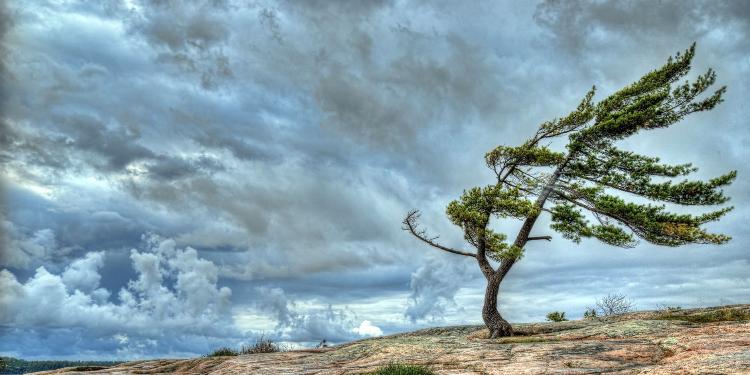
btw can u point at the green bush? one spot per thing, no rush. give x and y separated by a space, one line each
262 345
397 369
223 352
556 316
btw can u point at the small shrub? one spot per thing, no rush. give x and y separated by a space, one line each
614 304
223 352
262 345
556 316
397 369
590 313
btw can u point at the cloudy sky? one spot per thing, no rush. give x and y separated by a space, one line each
181 176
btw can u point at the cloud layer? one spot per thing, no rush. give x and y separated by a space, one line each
276 146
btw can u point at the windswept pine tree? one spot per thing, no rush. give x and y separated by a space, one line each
588 188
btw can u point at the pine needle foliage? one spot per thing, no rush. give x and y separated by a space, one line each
592 188
556 316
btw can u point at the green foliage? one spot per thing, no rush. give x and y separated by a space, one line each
473 210
401 369
593 168
223 352
476 205
651 102
9 365
570 222
631 173
572 122
650 222
599 162
596 165
527 155
590 313
556 316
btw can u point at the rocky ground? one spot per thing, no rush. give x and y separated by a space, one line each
696 341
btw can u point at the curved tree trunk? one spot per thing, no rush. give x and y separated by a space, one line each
498 326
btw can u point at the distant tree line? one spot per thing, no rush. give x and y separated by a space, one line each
9 365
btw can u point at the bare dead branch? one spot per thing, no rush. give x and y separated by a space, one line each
614 304
411 225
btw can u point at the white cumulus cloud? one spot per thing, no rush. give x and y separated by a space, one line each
367 329
175 294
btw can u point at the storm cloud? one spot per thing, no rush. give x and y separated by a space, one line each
227 168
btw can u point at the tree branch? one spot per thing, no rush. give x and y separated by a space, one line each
535 238
411 225
638 232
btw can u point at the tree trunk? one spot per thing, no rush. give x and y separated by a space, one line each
498 326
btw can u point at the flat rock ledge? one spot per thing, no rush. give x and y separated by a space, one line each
692 341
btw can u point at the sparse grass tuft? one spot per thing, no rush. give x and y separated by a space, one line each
400 369
722 315
262 345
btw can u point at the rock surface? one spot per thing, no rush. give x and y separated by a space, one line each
695 341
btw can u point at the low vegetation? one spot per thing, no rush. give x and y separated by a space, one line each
400 369
721 315
556 316
223 352
632 343
262 345
590 313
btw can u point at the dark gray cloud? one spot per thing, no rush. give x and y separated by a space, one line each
112 149
189 36
6 131
581 25
283 141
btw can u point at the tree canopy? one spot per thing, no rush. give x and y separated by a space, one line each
594 188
